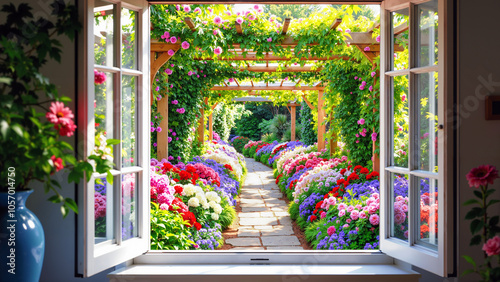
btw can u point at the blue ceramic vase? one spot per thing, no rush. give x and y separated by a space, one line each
22 240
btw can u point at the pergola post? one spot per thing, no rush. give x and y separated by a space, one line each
201 127
210 127
292 114
333 140
162 137
321 119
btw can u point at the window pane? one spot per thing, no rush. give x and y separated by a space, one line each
129 211
400 121
129 44
103 33
129 128
427 116
428 212
400 39
103 105
399 218
427 36
103 216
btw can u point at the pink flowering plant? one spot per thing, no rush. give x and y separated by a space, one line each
484 226
35 121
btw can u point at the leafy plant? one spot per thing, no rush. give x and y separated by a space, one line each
168 230
279 125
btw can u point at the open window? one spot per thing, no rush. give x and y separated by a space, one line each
414 159
115 217
114 104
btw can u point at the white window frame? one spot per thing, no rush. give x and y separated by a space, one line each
94 258
439 262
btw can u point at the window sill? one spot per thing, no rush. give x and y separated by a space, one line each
243 273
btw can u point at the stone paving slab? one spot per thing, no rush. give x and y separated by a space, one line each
278 231
244 242
254 209
249 214
258 221
280 240
248 232
284 248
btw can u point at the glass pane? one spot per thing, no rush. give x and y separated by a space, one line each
400 121
129 211
103 216
427 36
103 106
103 33
399 218
428 212
129 44
427 116
400 39
129 115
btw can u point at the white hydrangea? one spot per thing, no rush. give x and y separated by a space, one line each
193 202
213 196
205 206
189 189
215 216
218 209
212 204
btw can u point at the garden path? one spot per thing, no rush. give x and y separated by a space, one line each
264 221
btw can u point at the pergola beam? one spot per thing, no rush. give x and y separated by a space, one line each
189 22
271 57
239 29
260 88
275 69
335 24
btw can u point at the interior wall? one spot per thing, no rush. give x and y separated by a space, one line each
479 139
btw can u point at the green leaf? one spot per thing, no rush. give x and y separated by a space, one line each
470 202
109 177
55 199
478 194
17 129
70 203
476 240
476 225
4 126
494 220
470 260
475 212
492 202
113 141
468 271
5 80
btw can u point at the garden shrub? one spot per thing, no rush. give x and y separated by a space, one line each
169 231
239 142
308 134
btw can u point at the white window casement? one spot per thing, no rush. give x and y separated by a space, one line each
116 42
113 103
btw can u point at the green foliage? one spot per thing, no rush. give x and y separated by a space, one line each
239 143
291 11
287 136
279 125
168 230
224 118
269 137
308 133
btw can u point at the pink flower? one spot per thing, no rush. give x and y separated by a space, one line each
187 9
361 121
347 30
239 20
173 39
373 73
361 87
374 219
362 214
171 52
185 45
175 102
158 129
370 88
230 79
99 77
492 246
354 214
482 175
190 73
154 144
356 78
165 35
367 48
345 226
218 50
331 230
217 20
269 39
378 38
168 71
153 129
159 97
57 162
59 114
157 88
197 10
341 213
216 31
403 98
181 110
374 136
256 7
425 135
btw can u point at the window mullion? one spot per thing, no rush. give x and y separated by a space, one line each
118 124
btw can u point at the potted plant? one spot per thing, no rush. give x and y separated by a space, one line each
34 124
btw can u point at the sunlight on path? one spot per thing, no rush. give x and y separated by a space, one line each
264 222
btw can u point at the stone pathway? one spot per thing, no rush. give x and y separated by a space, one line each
264 222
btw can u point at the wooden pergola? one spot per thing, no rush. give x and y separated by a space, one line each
361 40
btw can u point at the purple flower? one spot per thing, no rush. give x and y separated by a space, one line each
190 73
373 73
158 129
361 121
179 158
169 139
159 97
173 133
157 88
153 129
170 157
175 102
370 88
171 85
154 144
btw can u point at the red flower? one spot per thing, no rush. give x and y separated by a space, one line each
197 225
313 218
176 180
179 206
343 171
190 168
318 205
349 167
364 171
229 167
315 211
178 189
166 167
374 174
184 175
66 129
340 181
482 175
492 246
352 176
58 163
59 114
358 167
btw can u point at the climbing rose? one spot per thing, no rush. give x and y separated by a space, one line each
367 48
492 246
185 45
403 98
217 20
374 219
370 88
374 136
373 73
165 35
218 50
168 71
187 9
239 20
482 175
173 39
256 7
378 38
361 121
197 10
175 102
99 77
269 39
181 110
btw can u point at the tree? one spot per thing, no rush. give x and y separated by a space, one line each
291 11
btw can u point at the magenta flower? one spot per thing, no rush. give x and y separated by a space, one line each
357 135
256 7
177 7
170 157
347 30
181 110
378 38
209 9
158 129
331 230
175 102
197 10
374 136
373 73
157 88
492 246
171 52
173 133
218 50
154 144
99 77
356 78
190 73
187 9
171 85
173 39
185 45
482 175
217 20
374 219
168 71
177 139
361 87
231 80
216 31
159 98
165 35
153 129
269 39
239 20
367 48
403 98
251 17
370 88
169 140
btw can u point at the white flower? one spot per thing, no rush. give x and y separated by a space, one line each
193 202
215 216
189 189
218 209
213 196
212 204
205 206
